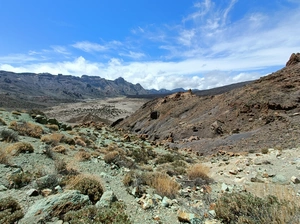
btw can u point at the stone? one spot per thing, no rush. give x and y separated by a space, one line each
41 119
233 172
46 192
280 179
43 207
184 216
106 199
295 180
3 188
58 189
32 192
257 180
166 202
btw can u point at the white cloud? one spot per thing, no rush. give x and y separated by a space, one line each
133 55
89 46
206 49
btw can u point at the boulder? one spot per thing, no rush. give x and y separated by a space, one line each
43 207
106 199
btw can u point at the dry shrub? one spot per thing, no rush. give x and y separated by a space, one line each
2 122
27 129
247 208
118 158
60 149
163 184
80 142
53 127
282 192
9 135
87 184
18 180
19 147
52 139
198 171
4 157
111 157
63 168
10 211
82 156
16 113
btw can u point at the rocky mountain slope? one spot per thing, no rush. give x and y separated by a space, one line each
29 90
264 113
91 173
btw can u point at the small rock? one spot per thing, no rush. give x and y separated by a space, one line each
233 172
106 199
212 213
58 189
46 192
32 192
184 216
3 188
280 179
166 202
295 180
257 180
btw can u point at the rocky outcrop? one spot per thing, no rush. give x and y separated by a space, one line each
294 59
42 208
257 114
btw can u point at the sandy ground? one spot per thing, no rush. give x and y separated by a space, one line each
109 109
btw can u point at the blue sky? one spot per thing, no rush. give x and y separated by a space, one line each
157 43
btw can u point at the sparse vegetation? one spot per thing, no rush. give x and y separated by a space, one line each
82 155
52 139
264 151
246 208
19 147
90 214
2 122
27 129
53 127
59 149
198 171
10 211
163 184
20 179
9 135
88 185
4 157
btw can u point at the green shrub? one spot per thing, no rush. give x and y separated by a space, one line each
10 211
91 214
88 185
143 155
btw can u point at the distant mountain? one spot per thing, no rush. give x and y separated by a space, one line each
165 91
45 89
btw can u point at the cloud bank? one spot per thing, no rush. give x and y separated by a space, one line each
204 49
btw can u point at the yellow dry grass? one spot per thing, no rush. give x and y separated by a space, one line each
198 171
27 129
163 184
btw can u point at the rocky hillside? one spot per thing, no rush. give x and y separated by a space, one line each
29 90
53 173
264 113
